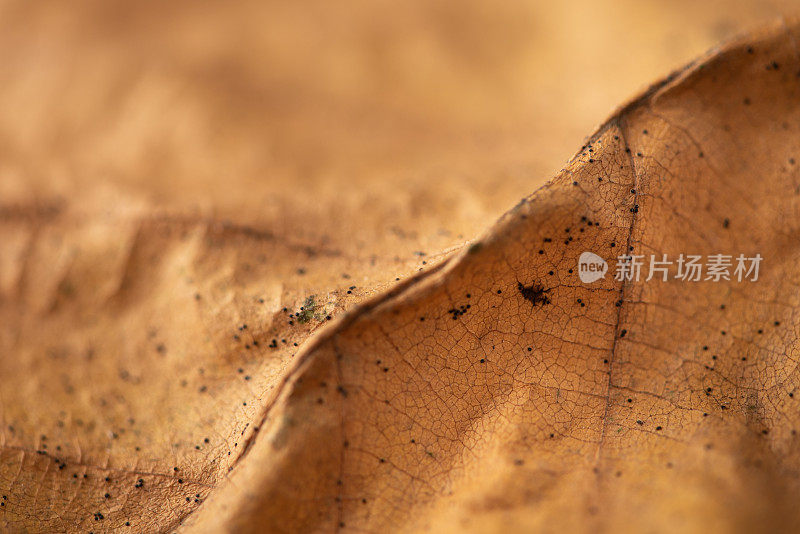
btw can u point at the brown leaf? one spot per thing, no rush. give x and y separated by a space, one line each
171 349
459 403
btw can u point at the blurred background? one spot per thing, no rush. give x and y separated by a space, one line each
386 127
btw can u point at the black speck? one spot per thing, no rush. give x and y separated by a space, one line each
534 293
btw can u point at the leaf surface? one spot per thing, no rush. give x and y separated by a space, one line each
238 356
459 402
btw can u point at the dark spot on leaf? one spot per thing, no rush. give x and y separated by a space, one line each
534 293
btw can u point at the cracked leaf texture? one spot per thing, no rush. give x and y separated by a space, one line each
178 356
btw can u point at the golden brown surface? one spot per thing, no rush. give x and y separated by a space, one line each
178 180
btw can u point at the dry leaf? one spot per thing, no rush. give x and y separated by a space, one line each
148 351
460 401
